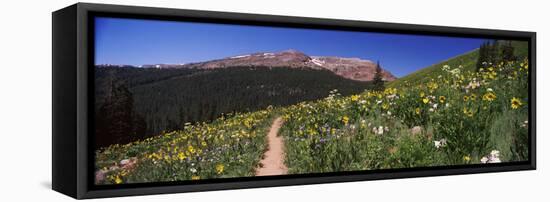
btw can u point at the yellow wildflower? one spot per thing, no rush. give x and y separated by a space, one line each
219 168
468 112
354 97
191 149
466 158
181 156
345 119
516 103
442 99
118 180
489 96
425 100
195 177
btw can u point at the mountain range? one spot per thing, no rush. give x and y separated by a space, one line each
350 68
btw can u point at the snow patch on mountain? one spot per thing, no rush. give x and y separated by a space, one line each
239 56
317 61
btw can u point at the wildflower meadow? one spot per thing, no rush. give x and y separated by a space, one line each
459 117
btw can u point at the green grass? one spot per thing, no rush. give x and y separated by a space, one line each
467 61
473 112
476 113
230 146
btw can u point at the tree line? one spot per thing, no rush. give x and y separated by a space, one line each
135 103
493 52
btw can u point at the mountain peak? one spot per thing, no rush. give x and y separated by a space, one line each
350 68
294 51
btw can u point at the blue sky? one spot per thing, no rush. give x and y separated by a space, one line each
137 42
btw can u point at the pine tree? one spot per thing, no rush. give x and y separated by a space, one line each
508 52
378 82
493 53
482 58
116 120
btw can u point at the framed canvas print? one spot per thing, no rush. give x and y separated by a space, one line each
154 100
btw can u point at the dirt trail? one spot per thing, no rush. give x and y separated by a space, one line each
273 162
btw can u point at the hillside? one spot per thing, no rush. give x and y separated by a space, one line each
169 98
433 117
437 123
467 61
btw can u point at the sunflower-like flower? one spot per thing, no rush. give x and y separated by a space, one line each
345 119
118 180
442 99
425 100
516 103
219 168
468 112
489 96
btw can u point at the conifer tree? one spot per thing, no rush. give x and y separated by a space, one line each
508 52
378 82
493 53
482 58
116 120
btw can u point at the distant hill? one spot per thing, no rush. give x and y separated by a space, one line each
349 68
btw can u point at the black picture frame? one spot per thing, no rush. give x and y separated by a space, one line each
73 99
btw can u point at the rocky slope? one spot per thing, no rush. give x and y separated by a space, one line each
350 68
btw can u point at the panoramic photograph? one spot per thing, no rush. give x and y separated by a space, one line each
187 101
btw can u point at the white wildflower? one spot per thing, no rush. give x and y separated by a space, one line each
378 130
446 68
493 157
525 124
440 143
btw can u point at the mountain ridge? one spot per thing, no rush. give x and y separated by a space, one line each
350 68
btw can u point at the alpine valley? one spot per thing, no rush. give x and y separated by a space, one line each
166 96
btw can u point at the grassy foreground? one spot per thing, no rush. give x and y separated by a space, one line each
227 147
454 116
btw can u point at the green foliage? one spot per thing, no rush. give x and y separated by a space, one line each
116 121
492 53
483 56
447 114
461 117
467 61
227 147
378 82
170 99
